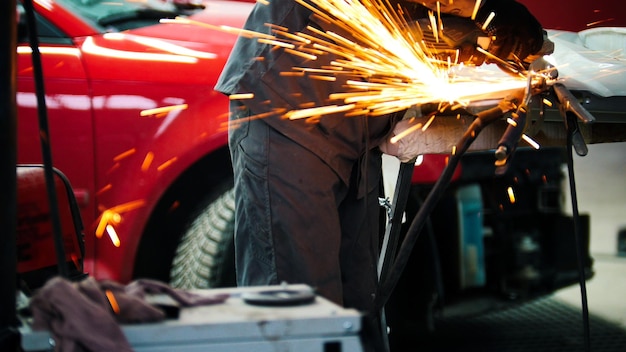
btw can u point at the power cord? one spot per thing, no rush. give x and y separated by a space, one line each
571 129
44 135
386 287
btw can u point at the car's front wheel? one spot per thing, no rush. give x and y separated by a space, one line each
205 254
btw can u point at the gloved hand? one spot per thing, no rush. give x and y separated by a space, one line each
518 34
457 41
463 35
407 147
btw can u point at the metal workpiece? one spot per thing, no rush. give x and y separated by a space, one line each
581 78
445 131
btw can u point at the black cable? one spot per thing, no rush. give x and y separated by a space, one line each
571 123
386 288
436 260
44 135
376 317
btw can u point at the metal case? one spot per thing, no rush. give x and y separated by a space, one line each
237 326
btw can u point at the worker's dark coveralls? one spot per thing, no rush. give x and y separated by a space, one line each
306 193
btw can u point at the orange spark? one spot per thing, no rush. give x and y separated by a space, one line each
476 7
113 235
489 19
241 96
276 43
322 110
147 161
166 164
384 55
292 74
323 78
598 22
162 111
301 54
122 208
112 301
112 216
405 133
113 168
428 123
511 122
75 260
125 154
174 206
547 102
104 189
530 141
511 194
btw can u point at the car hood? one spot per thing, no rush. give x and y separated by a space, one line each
217 13
193 51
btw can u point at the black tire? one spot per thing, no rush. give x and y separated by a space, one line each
205 254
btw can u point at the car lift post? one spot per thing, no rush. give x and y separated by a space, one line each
9 335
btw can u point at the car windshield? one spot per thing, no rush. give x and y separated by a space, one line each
117 15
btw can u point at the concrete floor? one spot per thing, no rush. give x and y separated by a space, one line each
601 185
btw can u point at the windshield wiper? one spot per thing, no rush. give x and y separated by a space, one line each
135 18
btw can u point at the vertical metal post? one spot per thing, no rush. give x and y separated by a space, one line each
9 337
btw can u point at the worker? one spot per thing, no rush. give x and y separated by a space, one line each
306 194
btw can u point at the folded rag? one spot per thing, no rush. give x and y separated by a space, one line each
85 316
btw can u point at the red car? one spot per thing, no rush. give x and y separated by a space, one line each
134 121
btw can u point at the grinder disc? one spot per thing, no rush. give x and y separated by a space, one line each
279 297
